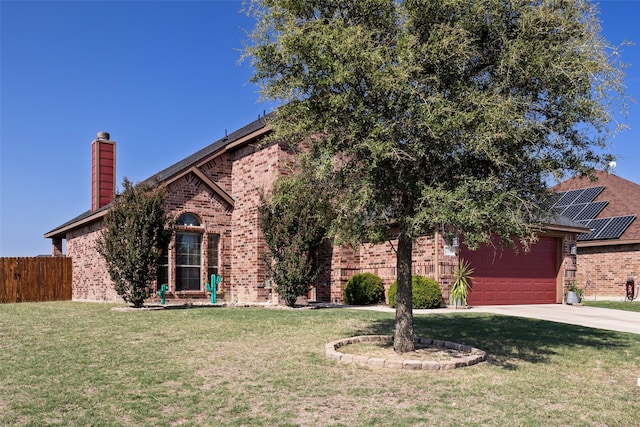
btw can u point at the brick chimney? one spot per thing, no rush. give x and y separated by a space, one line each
103 171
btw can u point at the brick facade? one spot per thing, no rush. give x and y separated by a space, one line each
91 281
604 265
222 185
603 270
189 195
433 257
429 260
254 172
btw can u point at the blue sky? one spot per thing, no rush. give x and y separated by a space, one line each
163 78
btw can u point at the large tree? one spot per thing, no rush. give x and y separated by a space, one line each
136 231
437 115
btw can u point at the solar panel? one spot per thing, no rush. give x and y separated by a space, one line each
559 209
616 227
551 199
591 210
568 197
588 195
581 211
579 206
573 211
606 228
585 222
596 225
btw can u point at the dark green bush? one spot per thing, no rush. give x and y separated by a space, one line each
426 293
363 289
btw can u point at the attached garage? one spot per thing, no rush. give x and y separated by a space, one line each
503 276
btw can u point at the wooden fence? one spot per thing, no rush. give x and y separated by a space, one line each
35 279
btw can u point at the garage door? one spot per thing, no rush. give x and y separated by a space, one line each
503 277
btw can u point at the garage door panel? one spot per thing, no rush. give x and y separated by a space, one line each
503 291
526 295
489 296
506 277
502 297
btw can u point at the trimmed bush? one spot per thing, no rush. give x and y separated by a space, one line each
363 289
426 293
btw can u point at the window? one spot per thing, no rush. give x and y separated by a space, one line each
162 277
188 220
213 247
188 261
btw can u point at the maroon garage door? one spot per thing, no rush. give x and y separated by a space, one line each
503 277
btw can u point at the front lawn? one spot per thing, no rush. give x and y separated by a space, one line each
72 363
615 305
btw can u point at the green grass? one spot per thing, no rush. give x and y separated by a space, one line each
84 364
615 305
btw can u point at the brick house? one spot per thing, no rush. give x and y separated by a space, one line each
609 254
214 195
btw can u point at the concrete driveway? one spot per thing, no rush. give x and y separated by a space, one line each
592 317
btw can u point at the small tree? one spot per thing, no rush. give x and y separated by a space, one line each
294 221
136 230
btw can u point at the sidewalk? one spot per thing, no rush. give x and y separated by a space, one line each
591 317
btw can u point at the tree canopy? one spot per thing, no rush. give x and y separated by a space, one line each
136 231
437 115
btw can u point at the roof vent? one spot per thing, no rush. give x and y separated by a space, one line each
103 135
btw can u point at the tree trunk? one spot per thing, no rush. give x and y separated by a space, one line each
404 339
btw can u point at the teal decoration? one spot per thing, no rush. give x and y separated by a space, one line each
212 286
162 293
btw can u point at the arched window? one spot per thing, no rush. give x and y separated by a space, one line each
195 254
188 261
188 254
188 220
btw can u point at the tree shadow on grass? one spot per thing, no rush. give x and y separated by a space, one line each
506 339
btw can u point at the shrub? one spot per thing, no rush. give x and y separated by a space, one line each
426 293
294 221
136 229
461 283
363 289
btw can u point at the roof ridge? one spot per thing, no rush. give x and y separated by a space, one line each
166 173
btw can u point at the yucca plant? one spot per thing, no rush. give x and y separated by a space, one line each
461 283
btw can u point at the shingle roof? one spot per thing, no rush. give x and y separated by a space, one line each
209 149
561 221
164 174
623 199
187 162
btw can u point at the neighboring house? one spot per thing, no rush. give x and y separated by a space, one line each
214 196
610 254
